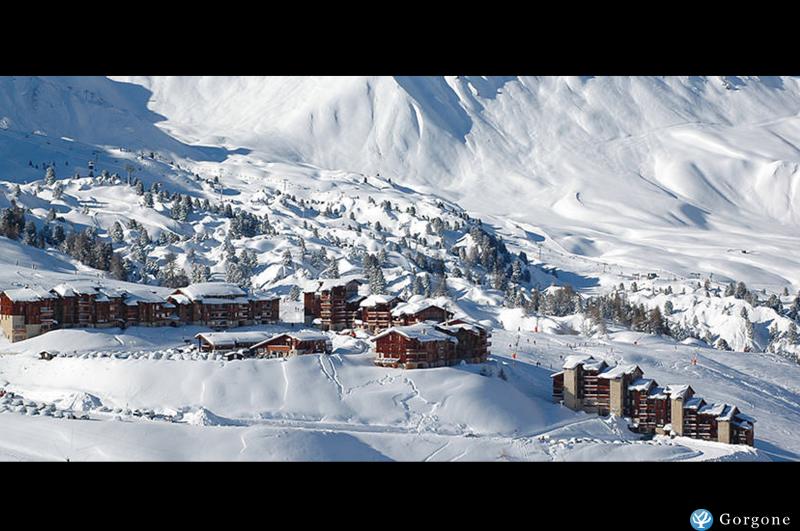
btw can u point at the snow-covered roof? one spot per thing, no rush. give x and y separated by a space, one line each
729 413
414 306
658 392
78 287
179 298
559 373
301 335
642 384
465 321
460 326
574 360
678 391
326 284
422 332
233 338
618 371
28 294
693 403
713 409
590 363
264 296
143 296
355 298
211 290
374 300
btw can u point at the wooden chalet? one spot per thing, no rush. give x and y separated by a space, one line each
332 303
265 309
26 313
229 341
144 308
376 311
223 305
293 344
416 346
419 310
78 304
473 339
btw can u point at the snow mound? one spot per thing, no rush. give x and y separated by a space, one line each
80 401
203 417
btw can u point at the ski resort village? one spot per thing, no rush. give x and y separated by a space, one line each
407 269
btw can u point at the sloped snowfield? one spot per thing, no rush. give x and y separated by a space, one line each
169 404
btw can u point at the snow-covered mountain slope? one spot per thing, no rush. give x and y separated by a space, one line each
146 396
674 173
657 172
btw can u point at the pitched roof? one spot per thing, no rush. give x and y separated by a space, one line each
712 409
414 306
572 361
678 390
618 371
422 332
211 290
143 296
28 294
694 403
77 287
374 300
326 284
219 339
642 384
300 335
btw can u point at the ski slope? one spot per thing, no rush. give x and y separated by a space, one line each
315 407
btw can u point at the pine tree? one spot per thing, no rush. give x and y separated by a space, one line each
791 335
730 289
721 344
333 270
50 176
441 288
287 259
200 273
57 236
118 268
295 293
377 283
419 286
668 308
741 290
144 238
498 277
58 191
29 234
117 233
516 272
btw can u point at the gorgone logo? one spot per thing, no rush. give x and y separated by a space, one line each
701 519
753 522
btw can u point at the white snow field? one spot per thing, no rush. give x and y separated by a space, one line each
599 181
157 403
